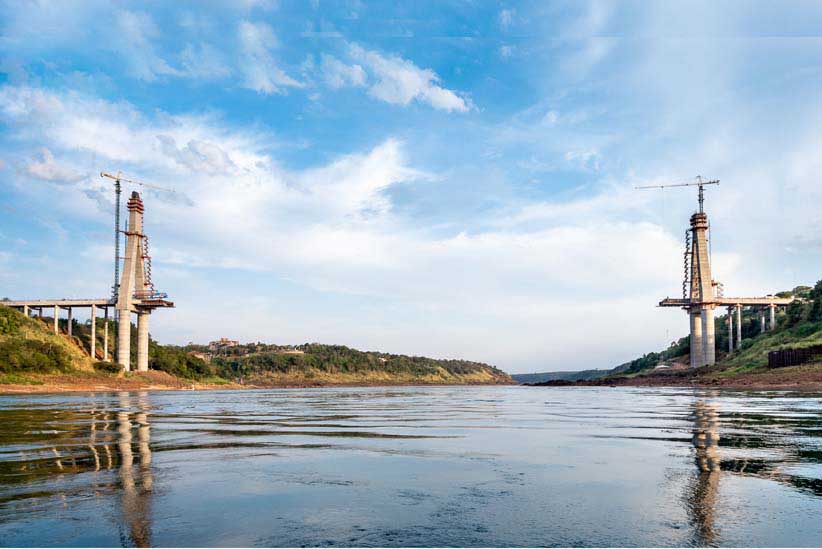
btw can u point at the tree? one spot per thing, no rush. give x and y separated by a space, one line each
815 313
794 313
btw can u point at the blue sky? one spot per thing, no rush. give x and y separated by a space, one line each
452 179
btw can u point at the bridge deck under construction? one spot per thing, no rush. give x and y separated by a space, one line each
727 301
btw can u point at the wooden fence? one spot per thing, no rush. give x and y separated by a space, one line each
792 357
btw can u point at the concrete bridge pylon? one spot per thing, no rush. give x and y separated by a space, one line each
135 294
703 295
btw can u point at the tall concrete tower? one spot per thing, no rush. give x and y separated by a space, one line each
704 295
701 311
136 294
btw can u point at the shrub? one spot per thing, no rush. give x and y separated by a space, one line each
10 321
107 367
33 356
176 361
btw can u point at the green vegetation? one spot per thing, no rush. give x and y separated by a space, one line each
22 355
107 367
17 379
675 350
27 346
338 364
177 362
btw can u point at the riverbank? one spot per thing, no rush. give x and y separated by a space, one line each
807 377
84 382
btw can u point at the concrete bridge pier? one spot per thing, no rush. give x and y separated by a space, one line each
26 310
124 339
70 321
696 339
762 321
105 335
772 307
56 317
738 326
142 341
730 330
93 337
708 337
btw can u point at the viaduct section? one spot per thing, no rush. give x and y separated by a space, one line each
702 294
133 294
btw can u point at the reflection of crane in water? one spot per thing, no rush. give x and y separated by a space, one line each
701 501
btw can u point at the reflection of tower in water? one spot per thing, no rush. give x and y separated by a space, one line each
136 484
703 494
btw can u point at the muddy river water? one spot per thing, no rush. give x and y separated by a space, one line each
412 466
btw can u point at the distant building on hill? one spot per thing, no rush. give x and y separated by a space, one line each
223 343
290 351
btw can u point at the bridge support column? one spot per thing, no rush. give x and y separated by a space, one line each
56 317
93 338
105 335
730 330
40 313
738 326
142 342
708 338
761 320
70 321
773 317
124 339
696 339
26 310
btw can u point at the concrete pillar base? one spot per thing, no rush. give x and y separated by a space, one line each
105 335
142 342
738 326
124 339
708 337
697 359
93 338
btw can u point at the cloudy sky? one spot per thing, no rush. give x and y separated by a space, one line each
452 179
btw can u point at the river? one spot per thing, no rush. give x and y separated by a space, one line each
412 466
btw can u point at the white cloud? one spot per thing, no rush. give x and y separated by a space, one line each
337 74
586 159
258 66
135 35
47 169
400 81
506 51
204 61
506 18
197 155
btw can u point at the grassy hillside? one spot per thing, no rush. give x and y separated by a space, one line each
28 346
333 364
